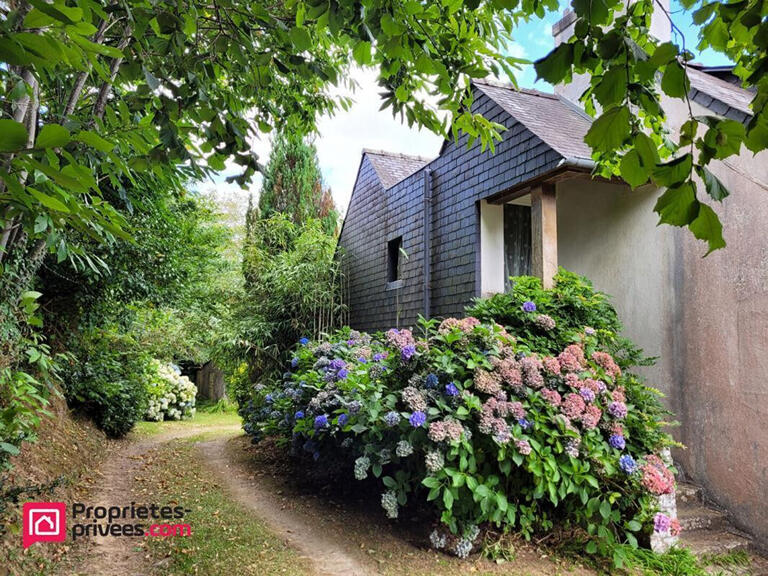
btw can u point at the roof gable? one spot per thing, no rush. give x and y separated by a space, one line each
558 123
392 167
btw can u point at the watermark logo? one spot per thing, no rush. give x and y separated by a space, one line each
44 522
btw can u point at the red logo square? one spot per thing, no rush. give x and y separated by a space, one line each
44 522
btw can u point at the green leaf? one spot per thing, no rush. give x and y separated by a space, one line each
612 89
102 49
448 499
610 130
9 448
13 136
605 509
593 11
664 54
362 53
632 169
300 38
48 201
556 65
678 206
94 141
646 149
707 227
673 172
52 136
674 82
702 14
714 187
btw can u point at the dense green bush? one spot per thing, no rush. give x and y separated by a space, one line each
572 303
107 380
487 428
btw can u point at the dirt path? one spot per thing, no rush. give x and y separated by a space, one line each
328 556
109 556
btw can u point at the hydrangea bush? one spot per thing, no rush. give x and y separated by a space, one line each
484 428
171 396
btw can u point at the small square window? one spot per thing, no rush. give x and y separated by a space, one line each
394 248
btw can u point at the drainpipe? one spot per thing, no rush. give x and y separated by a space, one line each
427 242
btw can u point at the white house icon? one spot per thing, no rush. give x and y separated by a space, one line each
44 522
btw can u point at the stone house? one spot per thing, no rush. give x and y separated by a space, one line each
425 236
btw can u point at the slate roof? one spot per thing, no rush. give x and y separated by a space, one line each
718 95
393 167
560 124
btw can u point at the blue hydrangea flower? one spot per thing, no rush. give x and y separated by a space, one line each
342 374
407 352
392 419
627 464
269 399
617 441
294 362
431 381
321 421
337 364
529 306
379 357
304 341
299 415
524 424
343 419
362 360
451 390
418 419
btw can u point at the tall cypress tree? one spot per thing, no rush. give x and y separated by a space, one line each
293 184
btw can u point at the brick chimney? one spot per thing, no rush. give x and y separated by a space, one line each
562 30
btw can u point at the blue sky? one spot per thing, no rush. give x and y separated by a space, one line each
342 138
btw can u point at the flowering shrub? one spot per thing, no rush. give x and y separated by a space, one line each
171 396
481 426
548 320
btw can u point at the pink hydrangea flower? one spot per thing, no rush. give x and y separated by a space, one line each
607 363
551 365
572 359
551 396
573 406
591 417
487 382
531 367
657 478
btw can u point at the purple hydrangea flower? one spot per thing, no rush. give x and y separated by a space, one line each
524 424
343 419
627 464
299 415
337 364
379 357
304 341
392 419
451 390
342 374
321 421
661 522
362 360
529 306
617 409
418 419
617 441
587 394
408 352
350 342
